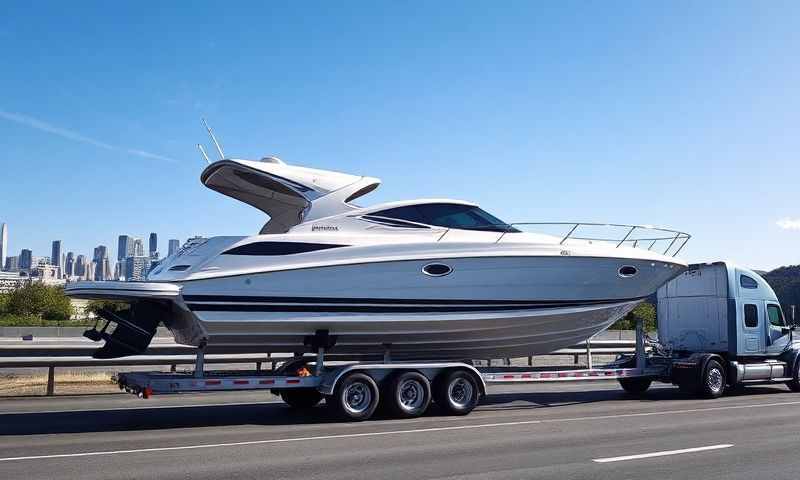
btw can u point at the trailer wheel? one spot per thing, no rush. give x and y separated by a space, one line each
794 383
457 392
635 385
301 397
712 383
355 397
408 395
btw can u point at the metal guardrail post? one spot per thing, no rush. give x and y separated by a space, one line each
530 361
199 363
51 380
589 353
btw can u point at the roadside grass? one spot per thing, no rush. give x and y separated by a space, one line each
35 321
68 382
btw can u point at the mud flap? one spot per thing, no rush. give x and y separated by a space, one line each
134 330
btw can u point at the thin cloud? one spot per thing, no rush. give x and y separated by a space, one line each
789 223
77 137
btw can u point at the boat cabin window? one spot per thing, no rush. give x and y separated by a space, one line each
449 215
775 316
278 248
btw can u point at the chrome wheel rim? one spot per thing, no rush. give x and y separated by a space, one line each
460 392
357 397
714 380
411 394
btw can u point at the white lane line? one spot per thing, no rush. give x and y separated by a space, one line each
400 432
153 407
663 454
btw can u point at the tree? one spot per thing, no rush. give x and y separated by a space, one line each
39 300
646 311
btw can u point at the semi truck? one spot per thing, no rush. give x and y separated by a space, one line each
720 327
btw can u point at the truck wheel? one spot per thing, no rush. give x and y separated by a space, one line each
355 397
712 384
409 395
301 397
457 392
794 383
635 385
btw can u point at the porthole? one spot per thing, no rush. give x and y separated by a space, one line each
627 271
436 269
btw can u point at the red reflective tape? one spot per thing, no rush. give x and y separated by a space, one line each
527 375
241 382
563 374
508 376
266 382
293 380
213 382
547 375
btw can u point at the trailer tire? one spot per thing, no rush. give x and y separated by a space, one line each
355 397
408 395
794 383
712 382
635 385
457 392
301 397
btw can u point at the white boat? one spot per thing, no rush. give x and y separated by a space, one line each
433 279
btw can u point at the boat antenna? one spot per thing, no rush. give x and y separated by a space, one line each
203 151
216 143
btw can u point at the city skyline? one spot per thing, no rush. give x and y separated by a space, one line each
69 263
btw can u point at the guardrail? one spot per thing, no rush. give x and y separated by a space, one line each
172 355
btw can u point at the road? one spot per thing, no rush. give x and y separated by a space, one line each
557 431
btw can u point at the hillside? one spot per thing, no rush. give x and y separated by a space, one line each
786 283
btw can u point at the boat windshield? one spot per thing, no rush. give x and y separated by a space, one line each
450 215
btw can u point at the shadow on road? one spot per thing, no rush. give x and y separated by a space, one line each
142 419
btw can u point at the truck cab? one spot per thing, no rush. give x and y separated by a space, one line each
729 314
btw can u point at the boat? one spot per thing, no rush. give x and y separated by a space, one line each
420 279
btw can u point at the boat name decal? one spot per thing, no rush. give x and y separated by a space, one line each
324 228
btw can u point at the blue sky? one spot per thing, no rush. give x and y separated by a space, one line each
682 114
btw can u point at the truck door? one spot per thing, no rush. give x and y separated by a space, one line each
753 328
776 340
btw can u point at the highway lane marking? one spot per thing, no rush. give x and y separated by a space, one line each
398 432
154 407
663 453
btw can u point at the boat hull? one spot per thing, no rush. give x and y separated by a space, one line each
486 307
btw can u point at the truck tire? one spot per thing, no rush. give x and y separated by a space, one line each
301 397
794 383
355 397
635 385
408 395
712 382
457 392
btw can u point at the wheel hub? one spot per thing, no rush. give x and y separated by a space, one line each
460 392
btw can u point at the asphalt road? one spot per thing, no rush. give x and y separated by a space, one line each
558 431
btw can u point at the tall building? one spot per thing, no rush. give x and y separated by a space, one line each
80 266
3 244
174 246
124 247
153 245
12 264
69 264
55 255
25 259
138 247
136 268
100 261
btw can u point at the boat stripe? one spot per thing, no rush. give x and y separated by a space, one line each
388 301
243 307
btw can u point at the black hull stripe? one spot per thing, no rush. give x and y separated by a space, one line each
390 301
381 309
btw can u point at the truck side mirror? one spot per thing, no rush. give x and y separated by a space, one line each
789 329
